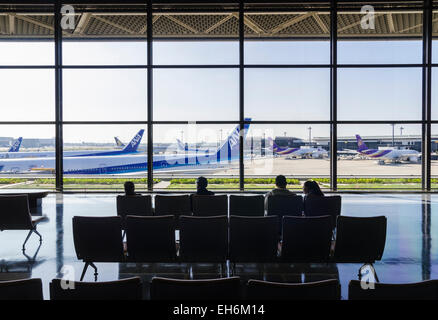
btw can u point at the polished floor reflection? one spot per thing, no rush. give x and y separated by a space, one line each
410 253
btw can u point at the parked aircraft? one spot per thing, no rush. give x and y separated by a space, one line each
393 155
227 153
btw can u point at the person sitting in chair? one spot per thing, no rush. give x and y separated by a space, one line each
129 188
280 187
201 187
311 189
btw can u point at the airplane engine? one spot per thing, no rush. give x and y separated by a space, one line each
413 159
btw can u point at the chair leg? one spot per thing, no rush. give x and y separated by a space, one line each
84 270
27 238
38 234
95 270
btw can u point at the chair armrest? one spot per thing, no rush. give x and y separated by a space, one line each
35 221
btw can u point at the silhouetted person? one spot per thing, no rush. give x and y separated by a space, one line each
129 188
311 189
201 187
280 187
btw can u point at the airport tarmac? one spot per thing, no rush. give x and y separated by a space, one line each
321 167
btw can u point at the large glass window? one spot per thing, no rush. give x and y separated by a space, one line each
379 156
105 94
199 94
299 151
287 94
379 94
196 94
183 152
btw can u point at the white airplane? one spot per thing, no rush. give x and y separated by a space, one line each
227 153
13 149
394 155
303 152
130 148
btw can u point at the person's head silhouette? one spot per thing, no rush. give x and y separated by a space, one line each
129 188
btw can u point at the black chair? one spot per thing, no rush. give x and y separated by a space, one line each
151 239
177 205
29 289
360 239
203 239
208 206
212 289
306 239
126 289
425 290
15 215
138 205
98 239
253 239
323 206
284 205
253 205
321 290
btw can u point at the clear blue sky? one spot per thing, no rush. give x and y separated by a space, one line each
211 94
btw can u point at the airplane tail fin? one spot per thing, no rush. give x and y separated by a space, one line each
360 144
132 146
180 145
272 145
16 146
118 142
230 148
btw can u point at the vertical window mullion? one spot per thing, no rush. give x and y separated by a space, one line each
59 168
333 95
150 140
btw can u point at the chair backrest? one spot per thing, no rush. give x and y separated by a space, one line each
138 205
321 290
253 205
98 239
253 239
176 205
126 289
322 206
29 289
209 289
14 213
210 205
203 239
306 239
284 205
151 239
360 239
426 290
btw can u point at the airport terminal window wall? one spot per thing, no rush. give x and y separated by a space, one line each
191 77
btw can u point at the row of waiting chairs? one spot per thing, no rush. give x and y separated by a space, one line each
237 239
215 289
217 205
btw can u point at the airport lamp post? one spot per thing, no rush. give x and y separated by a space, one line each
393 125
310 135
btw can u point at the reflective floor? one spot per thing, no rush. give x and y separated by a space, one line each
410 253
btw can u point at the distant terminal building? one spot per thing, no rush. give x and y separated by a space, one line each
374 142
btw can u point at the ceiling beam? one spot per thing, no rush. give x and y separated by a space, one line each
290 22
320 23
220 22
391 23
113 24
82 23
12 24
35 22
250 23
182 24
145 27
